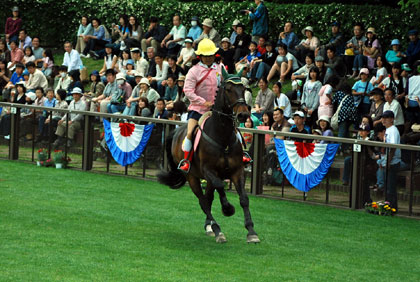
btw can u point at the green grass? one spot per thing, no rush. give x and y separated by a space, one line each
71 225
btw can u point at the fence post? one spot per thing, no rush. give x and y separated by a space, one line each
356 182
87 160
257 165
14 133
166 132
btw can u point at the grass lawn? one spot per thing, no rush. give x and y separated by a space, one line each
71 225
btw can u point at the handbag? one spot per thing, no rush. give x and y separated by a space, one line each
334 119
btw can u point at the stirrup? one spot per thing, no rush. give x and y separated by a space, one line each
184 165
246 158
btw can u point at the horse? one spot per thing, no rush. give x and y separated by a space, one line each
218 156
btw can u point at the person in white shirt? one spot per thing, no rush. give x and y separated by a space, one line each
141 64
392 136
391 104
64 80
178 34
36 78
161 74
281 101
187 54
75 120
71 58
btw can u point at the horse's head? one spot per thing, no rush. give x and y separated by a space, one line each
234 92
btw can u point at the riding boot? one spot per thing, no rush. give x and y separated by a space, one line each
246 159
184 164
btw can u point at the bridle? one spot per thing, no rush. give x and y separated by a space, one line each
241 101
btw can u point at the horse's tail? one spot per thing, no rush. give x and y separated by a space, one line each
173 178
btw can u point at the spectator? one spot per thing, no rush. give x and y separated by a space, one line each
173 69
160 111
144 108
299 120
75 82
265 99
135 33
372 48
20 96
85 28
16 55
413 50
376 109
252 57
335 64
178 34
120 32
396 82
125 55
324 124
24 39
13 25
195 31
97 40
307 46
354 47
110 88
75 120
336 42
36 78
280 121
413 109
154 35
118 97
4 75
171 92
241 43
325 97
151 51
248 91
64 80
281 101
29 55
157 81
141 64
26 120
288 37
233 35
71 58
361 90
302 74
187 55
47 62
4 51
60 103
394 55
391 104
310 96
392 136
263 65
96 89
148 92
47 101
5 116
110 60
261 45
285 64
208 32
15 78
37 51
259 17
227 53
381 71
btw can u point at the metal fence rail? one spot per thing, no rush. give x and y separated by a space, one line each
355 198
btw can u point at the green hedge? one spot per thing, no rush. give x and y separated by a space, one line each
56 21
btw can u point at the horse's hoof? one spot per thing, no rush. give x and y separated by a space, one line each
209 231
221 238
252 239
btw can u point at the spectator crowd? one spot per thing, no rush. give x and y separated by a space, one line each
352 86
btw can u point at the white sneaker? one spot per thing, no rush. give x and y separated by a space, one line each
7 137
87 56
82 55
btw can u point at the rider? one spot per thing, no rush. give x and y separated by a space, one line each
200 88
201 85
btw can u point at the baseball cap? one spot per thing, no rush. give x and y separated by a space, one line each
405 67
299 113
365 71
388 114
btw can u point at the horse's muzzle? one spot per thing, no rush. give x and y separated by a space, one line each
243 116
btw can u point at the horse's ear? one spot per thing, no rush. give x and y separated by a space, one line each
240 72
224 73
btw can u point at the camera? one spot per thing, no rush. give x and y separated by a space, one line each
245 11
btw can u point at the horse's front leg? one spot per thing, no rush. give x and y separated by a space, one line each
239 180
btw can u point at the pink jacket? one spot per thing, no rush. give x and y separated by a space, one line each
206 91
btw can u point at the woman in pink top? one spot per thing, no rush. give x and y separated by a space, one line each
325 97
200 88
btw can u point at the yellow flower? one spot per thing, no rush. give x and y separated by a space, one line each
373 203
386 206
393 210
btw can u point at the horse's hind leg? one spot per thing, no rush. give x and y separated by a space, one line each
239 181
205 205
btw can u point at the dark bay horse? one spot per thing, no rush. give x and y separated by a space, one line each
218 157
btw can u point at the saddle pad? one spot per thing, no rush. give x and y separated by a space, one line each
201 123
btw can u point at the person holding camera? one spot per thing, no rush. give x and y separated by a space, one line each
259 17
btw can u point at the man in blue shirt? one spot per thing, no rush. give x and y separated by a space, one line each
413 50
195 31
289 38
260 21
16 77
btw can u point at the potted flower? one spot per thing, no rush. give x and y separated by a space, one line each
380 208
60 160
42 157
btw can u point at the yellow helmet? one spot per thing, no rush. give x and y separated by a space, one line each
206 47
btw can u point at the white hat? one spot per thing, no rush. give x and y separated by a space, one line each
144 80
236 22
299 113
76 90
31 95
135 49
120 76
310 28
225 39
122 46
208 22
325 118
137 73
